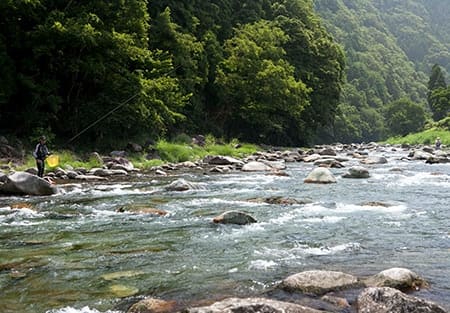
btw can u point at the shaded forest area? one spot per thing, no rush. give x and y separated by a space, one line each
261 71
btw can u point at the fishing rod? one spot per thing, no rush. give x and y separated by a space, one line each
115 109
103 117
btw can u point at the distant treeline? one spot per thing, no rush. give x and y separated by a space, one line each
262 71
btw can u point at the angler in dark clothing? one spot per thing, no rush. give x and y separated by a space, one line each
40 153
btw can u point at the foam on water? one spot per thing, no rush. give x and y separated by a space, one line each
262 265
425 179
302 250
386 209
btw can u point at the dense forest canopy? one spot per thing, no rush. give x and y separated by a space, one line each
391 47
264 71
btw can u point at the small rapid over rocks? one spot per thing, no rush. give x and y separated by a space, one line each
227 235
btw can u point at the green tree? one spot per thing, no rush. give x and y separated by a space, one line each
260 96
318 61
404 116
440 103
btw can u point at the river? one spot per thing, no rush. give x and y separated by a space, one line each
73 252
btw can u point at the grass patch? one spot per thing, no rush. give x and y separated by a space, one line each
169 152
426 137
179 152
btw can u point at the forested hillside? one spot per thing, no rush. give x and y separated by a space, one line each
261 71
391 47
285 72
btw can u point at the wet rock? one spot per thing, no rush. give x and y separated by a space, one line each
312 158
252 305
222 160
339 302
437 160
142 210
90 177
22 183
320 175
255 166
328 163
389 300
327 151
319 282
183 185
152 305
234 217
109 172
399 278
419 155
281 200
374 160
357 172
159 172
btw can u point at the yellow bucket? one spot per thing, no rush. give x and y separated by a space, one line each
53 160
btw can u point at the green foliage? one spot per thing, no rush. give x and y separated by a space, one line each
260 71
404 117
425 137
440 103
260 96
389 47
444 124
175 152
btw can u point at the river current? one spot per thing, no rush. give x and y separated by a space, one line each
73 252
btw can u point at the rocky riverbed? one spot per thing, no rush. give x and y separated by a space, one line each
339 228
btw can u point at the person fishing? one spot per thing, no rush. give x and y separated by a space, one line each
40 153
438 143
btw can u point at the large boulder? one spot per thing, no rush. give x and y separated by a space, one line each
319 282
390 300
320 175
252 305
397 277
22 183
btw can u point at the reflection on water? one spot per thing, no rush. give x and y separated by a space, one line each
75 252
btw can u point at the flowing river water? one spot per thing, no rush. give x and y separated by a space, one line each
73 252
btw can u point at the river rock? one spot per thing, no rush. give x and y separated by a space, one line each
255 166
109 172
312 158
397 277
328 163
234 217
142 210
319 282
419 155
182 185
22 183
357 172
252 305
390 300
152 305
320 175
222 160
90 177
437 160
374 160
